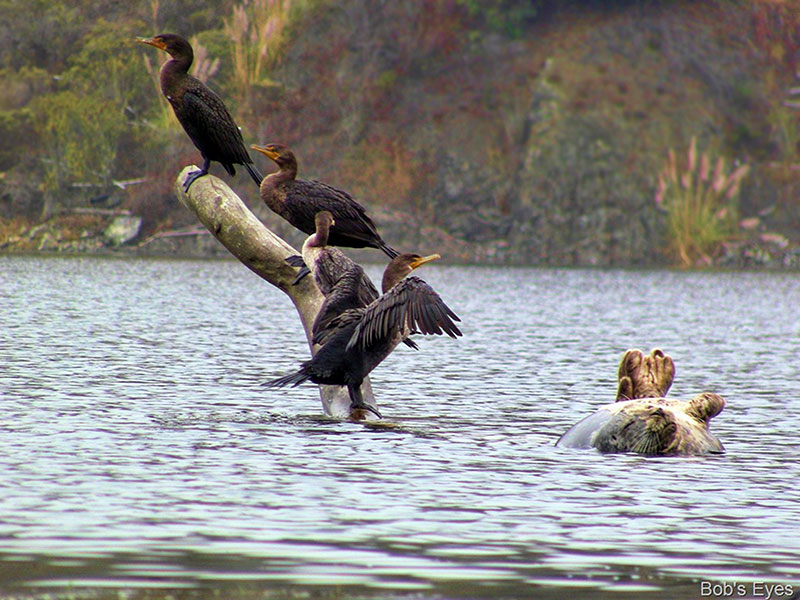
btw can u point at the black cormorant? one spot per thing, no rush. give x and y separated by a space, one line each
200 111
342 281
298 201
358 340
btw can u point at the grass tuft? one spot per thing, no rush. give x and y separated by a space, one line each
701 205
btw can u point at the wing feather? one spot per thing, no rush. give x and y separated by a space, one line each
411 305
308 197
348 318
211 127
344 283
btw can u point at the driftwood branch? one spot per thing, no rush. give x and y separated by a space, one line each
259 249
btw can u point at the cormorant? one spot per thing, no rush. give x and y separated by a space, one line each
200 111
298 201
341 280
358 340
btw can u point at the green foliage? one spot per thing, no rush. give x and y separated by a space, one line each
379 91
14 125
18 87
785 125
80 127
78 134
105 66
508 17
586 205
185 17
39 32
700 204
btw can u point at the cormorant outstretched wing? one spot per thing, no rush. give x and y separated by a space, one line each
411 306
346 320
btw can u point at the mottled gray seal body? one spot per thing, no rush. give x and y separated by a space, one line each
651 426
642 420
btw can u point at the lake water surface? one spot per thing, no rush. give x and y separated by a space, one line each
139 451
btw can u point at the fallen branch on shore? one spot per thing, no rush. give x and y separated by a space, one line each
174 233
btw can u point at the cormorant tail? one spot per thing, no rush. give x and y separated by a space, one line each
293 379
388 250
257 177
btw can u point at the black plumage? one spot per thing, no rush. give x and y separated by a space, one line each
200 111
342 281
358 340
298 201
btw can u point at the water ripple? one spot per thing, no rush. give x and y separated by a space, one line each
138 447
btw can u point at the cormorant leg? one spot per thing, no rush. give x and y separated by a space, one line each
357 400
197 174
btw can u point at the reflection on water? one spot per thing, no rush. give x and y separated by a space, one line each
139 450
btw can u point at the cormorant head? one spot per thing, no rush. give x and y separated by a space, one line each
171 43
400 266
280 154
324 220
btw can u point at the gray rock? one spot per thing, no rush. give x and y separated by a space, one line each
122 229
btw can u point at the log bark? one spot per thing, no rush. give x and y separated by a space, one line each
260 250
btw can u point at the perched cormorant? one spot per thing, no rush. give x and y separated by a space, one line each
298 201
200 111
341 280
358 340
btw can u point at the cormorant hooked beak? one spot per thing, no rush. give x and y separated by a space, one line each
152 42
424 259
265 151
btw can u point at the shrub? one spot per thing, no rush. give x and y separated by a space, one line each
257 30
700 204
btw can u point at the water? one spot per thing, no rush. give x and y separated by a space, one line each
138 450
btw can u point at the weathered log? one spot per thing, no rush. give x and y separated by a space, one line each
642 420
260 250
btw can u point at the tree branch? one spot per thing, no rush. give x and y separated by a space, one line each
260 250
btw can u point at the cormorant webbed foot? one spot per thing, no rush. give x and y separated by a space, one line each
304 270
192 177
364 406
297 261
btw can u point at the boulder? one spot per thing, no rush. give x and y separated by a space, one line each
122 229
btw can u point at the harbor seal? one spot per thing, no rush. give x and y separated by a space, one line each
642 420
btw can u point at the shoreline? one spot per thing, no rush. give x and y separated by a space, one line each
68 236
